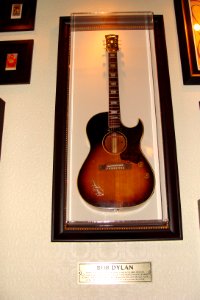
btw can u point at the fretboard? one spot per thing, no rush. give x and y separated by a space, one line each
114 105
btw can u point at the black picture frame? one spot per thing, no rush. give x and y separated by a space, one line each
2 111
190 69
19 51
17 15
61 231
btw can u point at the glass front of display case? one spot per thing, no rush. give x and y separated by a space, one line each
114 162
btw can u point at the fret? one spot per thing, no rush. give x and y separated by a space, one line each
114 118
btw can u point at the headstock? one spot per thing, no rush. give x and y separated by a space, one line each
112 43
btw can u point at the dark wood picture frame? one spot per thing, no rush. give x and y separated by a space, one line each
17 15
190 70
114 232
16 61
2 110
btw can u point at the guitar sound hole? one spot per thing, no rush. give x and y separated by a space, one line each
114 142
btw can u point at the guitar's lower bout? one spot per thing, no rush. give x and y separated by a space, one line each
115 179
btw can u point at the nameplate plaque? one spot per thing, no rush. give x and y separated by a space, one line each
114 273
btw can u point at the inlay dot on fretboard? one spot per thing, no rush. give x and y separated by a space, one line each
113 83
113 91
112 74
113 112
112 65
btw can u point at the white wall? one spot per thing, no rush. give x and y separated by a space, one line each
31 267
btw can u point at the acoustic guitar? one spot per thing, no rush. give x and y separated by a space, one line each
115 173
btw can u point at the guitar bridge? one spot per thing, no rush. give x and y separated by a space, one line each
110 167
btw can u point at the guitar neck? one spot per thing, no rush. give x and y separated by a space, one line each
114 120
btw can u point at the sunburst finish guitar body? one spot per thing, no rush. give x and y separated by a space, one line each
115 173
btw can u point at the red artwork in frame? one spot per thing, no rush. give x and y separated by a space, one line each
11 61
16 61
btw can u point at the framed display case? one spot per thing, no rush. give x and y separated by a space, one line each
115 167
17 15
188 28
16 61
